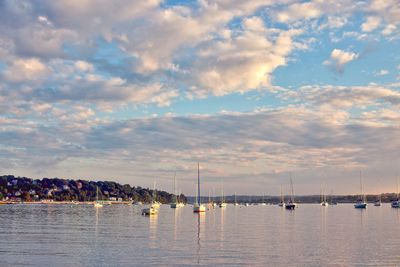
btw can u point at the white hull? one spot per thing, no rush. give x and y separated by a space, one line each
98 205
199 208
222 205
149 211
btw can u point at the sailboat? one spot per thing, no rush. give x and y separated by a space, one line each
97 204
154 203
361 203
378 202
324 202
291 205
282 203
176 203
235 203
198 207
396 203
222 204
153 209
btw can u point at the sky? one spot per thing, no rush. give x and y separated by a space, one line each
256 91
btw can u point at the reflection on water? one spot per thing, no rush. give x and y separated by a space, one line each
200 225
117 235
153 223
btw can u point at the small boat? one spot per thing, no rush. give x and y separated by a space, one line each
291 205
378 202
97 204
198 207
361 203
149 211
222 204
324 202
235 202
246 204
396 203
282 203
176 204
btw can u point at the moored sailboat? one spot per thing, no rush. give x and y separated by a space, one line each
291 205
97 204
282 203
361 203
396 203
198 207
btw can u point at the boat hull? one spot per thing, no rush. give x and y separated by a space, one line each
360 205
395 204
199 208
290 206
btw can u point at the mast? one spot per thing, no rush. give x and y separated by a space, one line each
291 188
198 183
282 198
235 197
361 188
176 199
397 187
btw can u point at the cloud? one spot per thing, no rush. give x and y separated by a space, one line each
382 72
244 61
339 58
25 70
371 24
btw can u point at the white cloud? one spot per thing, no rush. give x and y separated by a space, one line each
298 11
382 72
339 58
25 70
371 24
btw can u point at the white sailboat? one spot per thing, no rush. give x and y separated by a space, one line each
396 203
235 203
222 204
291 205
361 203
378 202
155 204
324 202
176 203
153 209
198 207
97 204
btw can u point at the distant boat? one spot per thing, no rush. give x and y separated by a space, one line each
396 203
361 203
198 207
235 203
291 205
378 202
176 203
324 202
263 201
222 204
149 211
97 204
153 209
282 203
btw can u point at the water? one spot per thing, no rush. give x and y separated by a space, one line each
117 235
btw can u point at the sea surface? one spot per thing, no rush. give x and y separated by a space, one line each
118 235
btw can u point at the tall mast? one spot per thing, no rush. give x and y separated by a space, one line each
176 199
198 182
361 188
397 187
282 200
291 187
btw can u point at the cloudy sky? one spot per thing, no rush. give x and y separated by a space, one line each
133 91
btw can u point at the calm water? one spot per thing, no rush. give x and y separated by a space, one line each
117 235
